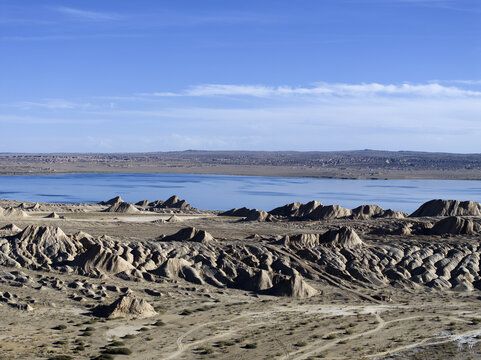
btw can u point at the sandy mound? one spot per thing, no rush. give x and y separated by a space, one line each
314 210
179 268
122 207
302 240
189 234
345 237
9 230
288 210
171 203
242 212
366 211
295 286
128 306
10 212
38 246
112 201
250 214
174 219
393 214
53 215
329 212
456 226
448 208
97 260
260 216
175 202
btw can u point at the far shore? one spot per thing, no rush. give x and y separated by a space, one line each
364 164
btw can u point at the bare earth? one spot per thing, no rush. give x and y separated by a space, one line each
357 309
365 164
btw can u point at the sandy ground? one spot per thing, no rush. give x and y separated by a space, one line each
228 323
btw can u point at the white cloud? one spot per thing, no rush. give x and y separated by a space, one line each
429 117
52 104
323 90
87 15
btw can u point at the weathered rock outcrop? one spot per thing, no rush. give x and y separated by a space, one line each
11 212
456 226
128 306
314 210
440 207
189 234
122 207
38 246
112 201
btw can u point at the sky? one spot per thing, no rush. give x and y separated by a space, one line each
307 75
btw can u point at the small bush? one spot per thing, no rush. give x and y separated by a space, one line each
158 323
250 346
128 336
86 333
117 343
144 329
61 357
186 312
60 327
205 350
103 357
300 344
224 343
117 351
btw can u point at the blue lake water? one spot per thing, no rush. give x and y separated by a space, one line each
221 192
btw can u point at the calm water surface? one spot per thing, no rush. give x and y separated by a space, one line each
221 192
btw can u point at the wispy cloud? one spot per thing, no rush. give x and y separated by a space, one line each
323 89
454 5
87 14
462 82
52 104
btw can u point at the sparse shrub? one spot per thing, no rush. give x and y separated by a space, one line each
144 329
128 336
117 351
300 344
60 327
61 357
186 312
204 350
117 343
103 357
158 323
224 343
250 346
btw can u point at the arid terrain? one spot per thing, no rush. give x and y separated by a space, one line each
365 164
163 280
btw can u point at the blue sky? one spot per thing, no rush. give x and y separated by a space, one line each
115 76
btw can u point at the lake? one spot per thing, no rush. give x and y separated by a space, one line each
222 192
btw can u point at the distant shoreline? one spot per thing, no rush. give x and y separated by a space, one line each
274 174
364 164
